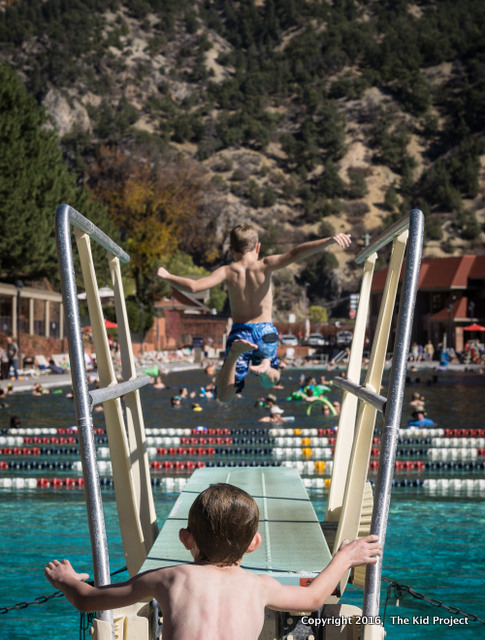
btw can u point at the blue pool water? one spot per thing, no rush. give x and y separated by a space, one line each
434 543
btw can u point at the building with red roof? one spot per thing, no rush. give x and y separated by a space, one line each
451 296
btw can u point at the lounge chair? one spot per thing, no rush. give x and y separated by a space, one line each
41 365
61 361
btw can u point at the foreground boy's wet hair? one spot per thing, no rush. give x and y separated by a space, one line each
223 521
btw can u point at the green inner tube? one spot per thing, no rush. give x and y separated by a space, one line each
323 401
318 390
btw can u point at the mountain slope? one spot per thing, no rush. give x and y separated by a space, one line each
308 117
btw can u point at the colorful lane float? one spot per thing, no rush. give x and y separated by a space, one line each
176 484
421 452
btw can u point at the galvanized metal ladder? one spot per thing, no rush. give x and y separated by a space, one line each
361 403
349 508
126 436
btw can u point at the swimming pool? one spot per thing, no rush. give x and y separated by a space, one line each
432 542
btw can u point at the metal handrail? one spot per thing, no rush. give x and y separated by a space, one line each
117 391
126 435
65 217
78 221
361 401
393 411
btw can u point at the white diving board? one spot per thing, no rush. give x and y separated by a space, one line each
293 546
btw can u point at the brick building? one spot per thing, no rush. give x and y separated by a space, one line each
451 296
181 319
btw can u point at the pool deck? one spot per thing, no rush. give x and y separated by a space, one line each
57 380
52 380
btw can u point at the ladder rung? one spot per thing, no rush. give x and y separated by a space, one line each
374 399
117 390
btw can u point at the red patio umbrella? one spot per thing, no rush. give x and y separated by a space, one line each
108 324
474 327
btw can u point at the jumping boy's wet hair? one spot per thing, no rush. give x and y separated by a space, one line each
223 521
243 238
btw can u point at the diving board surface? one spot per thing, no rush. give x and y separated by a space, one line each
293 545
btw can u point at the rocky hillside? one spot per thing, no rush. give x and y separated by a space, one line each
306 118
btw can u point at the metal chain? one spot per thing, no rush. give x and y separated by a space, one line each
39 600
43 599
401 589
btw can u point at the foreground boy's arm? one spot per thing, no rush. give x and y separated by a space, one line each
294 598
156 583
87 598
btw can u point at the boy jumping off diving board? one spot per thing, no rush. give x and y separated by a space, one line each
213 597
252 343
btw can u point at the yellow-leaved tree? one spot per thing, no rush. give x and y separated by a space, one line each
154 205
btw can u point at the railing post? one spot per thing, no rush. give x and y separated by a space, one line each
392 417
87 446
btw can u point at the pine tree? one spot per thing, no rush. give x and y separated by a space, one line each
34 181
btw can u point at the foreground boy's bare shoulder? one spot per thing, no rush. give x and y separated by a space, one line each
225 602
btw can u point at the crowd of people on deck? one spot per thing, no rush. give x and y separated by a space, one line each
473 352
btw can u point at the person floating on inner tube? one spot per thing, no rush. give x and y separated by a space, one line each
310 391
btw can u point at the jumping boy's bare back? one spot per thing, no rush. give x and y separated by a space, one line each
248 281
214 598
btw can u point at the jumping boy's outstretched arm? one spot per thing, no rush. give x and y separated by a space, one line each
306 250
294 598
190 284
87 598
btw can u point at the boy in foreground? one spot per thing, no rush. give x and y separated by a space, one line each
214 598
253 340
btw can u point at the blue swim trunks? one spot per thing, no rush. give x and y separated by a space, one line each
265 335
